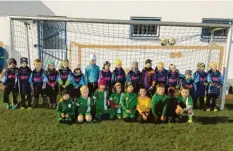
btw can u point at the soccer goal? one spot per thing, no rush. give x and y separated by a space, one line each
182 44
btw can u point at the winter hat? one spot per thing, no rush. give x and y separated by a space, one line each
118 62
92 57
200 65
148 61
23 59
102 82
12 60
188 72
107 63
51 62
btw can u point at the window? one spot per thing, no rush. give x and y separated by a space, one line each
144 31
218 34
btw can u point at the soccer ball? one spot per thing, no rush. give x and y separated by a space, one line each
172 41
163 41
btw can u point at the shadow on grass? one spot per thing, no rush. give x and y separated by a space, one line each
229 106
213 120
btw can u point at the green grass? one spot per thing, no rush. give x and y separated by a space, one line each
38 129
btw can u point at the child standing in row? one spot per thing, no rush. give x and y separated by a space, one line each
134 76
200 83
38 82
23 83
10 84
107 75
147 77
51 86
215 80
118 74
64 76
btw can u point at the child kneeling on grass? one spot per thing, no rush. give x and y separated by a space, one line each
159 104
114 102
84 105
129 102
100 99
185 104
65 108
144 106
172 105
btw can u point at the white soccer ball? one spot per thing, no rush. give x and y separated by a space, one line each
172 41
163 41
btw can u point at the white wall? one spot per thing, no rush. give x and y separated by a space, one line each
169 11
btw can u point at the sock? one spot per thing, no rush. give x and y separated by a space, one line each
190 118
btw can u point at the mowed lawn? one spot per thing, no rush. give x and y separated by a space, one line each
38 129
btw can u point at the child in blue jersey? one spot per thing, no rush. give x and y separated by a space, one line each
107 75
64 76
92 75
160 75
38 82
215 81
51 86
23 82
173 77
9 82
78 80
134 76
188 82
118 74
200 83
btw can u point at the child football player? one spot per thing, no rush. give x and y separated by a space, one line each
65 108
186 104
129 103
215 81
51 86
147 77
114 102
9 82
64 76
188 82
100 98
160 75
200 83
159 103
38 82
92 75
84 105
174 77
118 74
143 106
77 82
23 83
107 75
134 76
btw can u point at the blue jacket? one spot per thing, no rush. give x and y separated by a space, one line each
135 78
9 77
215 81
92 73
107 75
23 79
118 75
38 78
78 80
64 76
188 83
173 78
160 77
199 79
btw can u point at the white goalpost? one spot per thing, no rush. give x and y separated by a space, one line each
56 38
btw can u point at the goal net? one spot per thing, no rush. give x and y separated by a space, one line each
183 44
